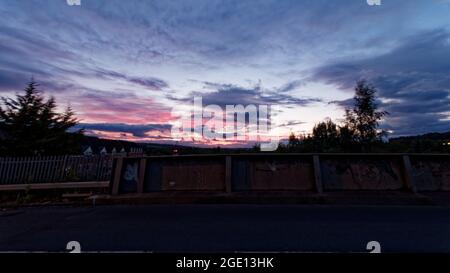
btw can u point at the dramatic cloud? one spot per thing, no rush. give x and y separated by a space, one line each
140 130
150 83
413 81
131 62
127 108
227 94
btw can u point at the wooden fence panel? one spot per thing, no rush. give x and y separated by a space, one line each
54 169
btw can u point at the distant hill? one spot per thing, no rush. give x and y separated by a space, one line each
97 144
427 143
430 136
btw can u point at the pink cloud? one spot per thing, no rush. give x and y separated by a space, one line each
128 108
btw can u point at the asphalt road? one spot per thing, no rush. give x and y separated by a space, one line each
226 228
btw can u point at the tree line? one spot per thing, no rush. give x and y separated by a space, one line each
359 132
30 124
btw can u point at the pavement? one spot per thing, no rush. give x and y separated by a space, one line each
227 228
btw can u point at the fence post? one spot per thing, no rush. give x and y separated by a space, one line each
141 178
408 173
317 174
117 176
2 164
13 170
6 171
228 170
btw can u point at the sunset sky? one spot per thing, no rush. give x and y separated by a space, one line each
124 65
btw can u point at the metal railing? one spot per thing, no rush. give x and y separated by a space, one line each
55 169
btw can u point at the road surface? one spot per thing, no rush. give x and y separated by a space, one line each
227 228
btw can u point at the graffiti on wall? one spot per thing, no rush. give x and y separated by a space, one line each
130 176
431 175
279 173
193 176
361 174
273 174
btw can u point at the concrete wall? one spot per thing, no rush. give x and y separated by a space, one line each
272 173
431 173
362 173
129 174
282 172
187 174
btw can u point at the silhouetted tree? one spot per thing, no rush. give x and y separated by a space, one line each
346 139
31 125
294 143
363 119
325 136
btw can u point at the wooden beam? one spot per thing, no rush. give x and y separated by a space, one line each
408 173
117 175
53 186
141 178
228 170
317 174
